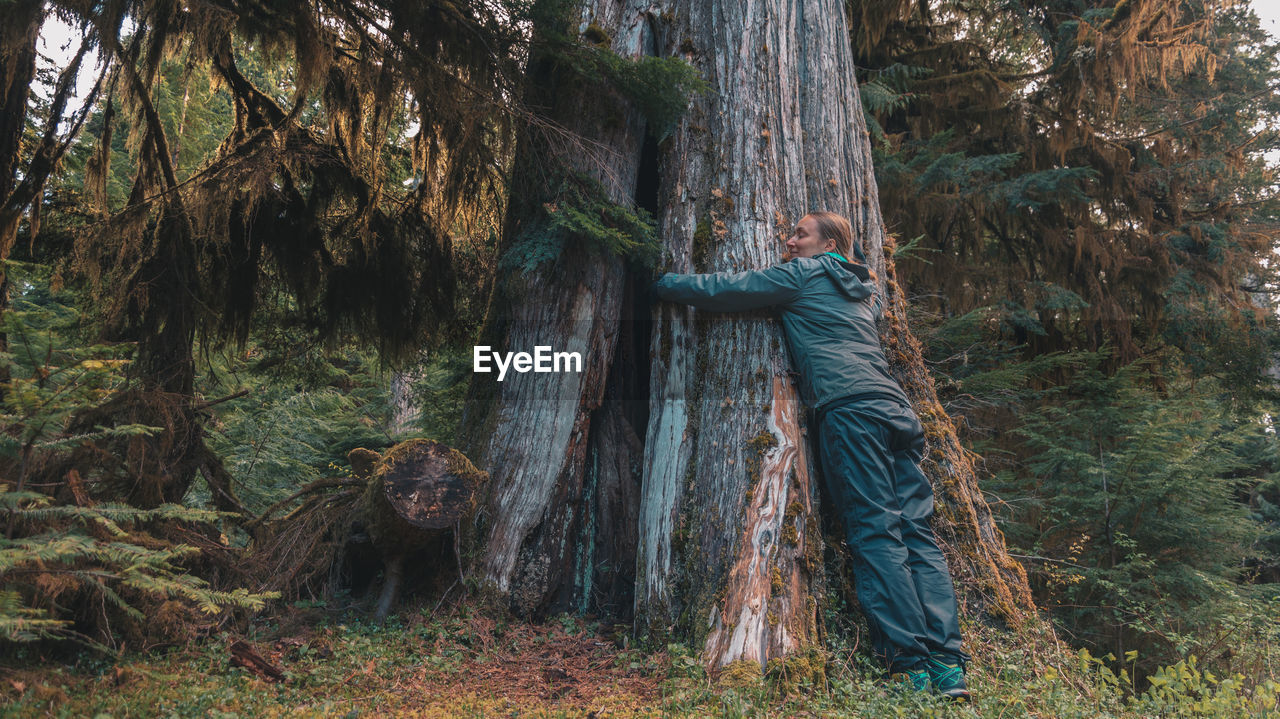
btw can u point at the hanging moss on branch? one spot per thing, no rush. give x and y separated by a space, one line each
354 143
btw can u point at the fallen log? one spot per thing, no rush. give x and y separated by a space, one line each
416 493
244 655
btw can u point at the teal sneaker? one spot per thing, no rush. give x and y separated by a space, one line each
915 679
947 679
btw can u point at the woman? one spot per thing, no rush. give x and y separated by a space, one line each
870 441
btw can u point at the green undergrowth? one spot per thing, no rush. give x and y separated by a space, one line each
468 664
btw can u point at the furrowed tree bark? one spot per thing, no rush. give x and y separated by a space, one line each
730 553
533 432
17 71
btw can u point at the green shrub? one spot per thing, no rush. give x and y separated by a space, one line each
72 567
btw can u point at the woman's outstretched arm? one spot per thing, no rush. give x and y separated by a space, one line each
735 291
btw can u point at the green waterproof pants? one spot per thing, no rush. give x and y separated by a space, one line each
870 451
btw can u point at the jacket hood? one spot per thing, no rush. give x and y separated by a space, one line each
852 279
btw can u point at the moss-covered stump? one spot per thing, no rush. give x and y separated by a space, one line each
417 492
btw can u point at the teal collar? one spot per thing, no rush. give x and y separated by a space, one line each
838 257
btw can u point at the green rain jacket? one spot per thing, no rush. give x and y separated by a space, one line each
829 309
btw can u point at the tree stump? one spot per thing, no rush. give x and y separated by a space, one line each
417 492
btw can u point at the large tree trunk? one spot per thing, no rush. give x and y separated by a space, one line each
17 71
730 554
534 433
728 550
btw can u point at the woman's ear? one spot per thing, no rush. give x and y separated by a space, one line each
830 246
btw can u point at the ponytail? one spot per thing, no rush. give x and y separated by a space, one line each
837 228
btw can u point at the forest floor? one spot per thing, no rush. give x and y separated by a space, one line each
468 664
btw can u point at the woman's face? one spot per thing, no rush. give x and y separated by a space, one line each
806 242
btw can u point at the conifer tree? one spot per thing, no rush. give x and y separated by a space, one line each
1095 172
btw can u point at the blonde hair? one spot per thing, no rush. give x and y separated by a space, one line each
835 227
